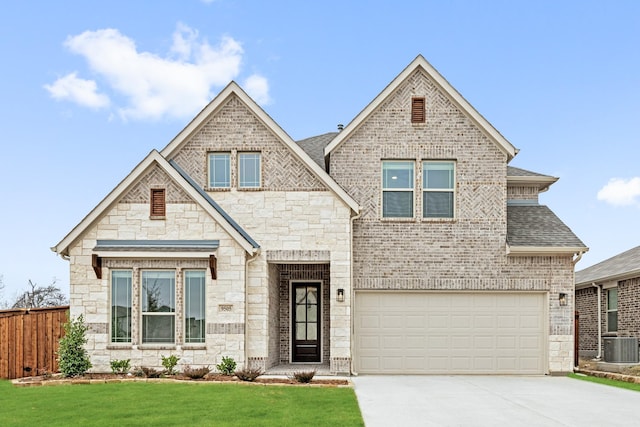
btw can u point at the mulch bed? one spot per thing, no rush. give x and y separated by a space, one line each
94 378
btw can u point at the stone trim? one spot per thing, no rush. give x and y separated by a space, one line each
299 255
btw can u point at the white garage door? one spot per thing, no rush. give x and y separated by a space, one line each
452 333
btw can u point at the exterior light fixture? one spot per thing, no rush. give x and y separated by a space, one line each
562 299
340 295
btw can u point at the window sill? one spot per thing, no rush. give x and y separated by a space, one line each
385 219
157 347
115 346
250 188
157 217
221 189
194 347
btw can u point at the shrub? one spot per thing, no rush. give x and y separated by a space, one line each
150 372
249 374
169 364
303 376
138 372
120 366
195 373
73 359
227 366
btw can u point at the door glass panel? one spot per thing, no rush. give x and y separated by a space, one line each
300 311
301 331
312 296
312 313
301 293
312 331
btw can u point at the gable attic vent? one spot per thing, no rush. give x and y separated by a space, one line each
417 110
158 205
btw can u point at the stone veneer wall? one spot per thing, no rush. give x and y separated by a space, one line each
90 296
464 253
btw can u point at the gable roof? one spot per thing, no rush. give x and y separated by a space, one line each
535 229
622 266
523 176
154 158
453 95
314 146
234 89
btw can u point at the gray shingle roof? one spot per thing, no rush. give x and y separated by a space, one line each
538 226
624 264
513 171
315 145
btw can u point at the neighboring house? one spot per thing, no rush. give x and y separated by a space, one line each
401 244
607 300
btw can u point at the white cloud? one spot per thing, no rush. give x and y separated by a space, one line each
258 88
153 86
621 192
80 91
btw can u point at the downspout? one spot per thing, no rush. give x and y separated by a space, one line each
599 355
249 260
353 292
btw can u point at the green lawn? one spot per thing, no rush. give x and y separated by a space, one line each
167 404
606 381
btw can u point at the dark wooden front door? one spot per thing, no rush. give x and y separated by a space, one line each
306 322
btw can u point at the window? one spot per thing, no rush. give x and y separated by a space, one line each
249 170
438 194
417 110
219 170
397 189
612 310
158 306
194 308
121 306
158 206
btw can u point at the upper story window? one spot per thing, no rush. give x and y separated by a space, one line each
219 170
438 189
249 170
612 310
397 189
158 306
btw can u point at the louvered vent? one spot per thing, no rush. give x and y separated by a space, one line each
158 206
417 110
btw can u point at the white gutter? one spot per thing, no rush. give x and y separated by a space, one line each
599 355
353 292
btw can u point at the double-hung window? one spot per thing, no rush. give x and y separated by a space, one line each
158 306
121 306
612 310
397 189
219 170
194 307
248 170
438 189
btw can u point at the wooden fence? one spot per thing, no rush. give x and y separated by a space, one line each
29 340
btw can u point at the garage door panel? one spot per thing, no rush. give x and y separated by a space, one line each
423 332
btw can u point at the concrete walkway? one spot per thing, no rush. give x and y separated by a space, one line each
493 401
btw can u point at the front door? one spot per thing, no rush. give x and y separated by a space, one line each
306 322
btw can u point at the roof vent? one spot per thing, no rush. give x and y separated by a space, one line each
340 127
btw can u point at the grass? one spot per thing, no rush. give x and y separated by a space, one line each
168 404
607 381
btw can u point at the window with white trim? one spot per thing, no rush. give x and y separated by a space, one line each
249 170
612 310
194 306
121 306
397 188
219 170
158 306
438 189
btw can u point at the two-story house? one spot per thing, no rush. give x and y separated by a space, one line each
404 243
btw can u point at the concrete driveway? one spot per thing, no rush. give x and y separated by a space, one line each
493 401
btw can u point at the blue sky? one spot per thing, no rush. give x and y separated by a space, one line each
89 88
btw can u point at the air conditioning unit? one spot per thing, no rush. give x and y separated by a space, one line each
621 349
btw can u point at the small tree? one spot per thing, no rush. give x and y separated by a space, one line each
41 296
73 359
